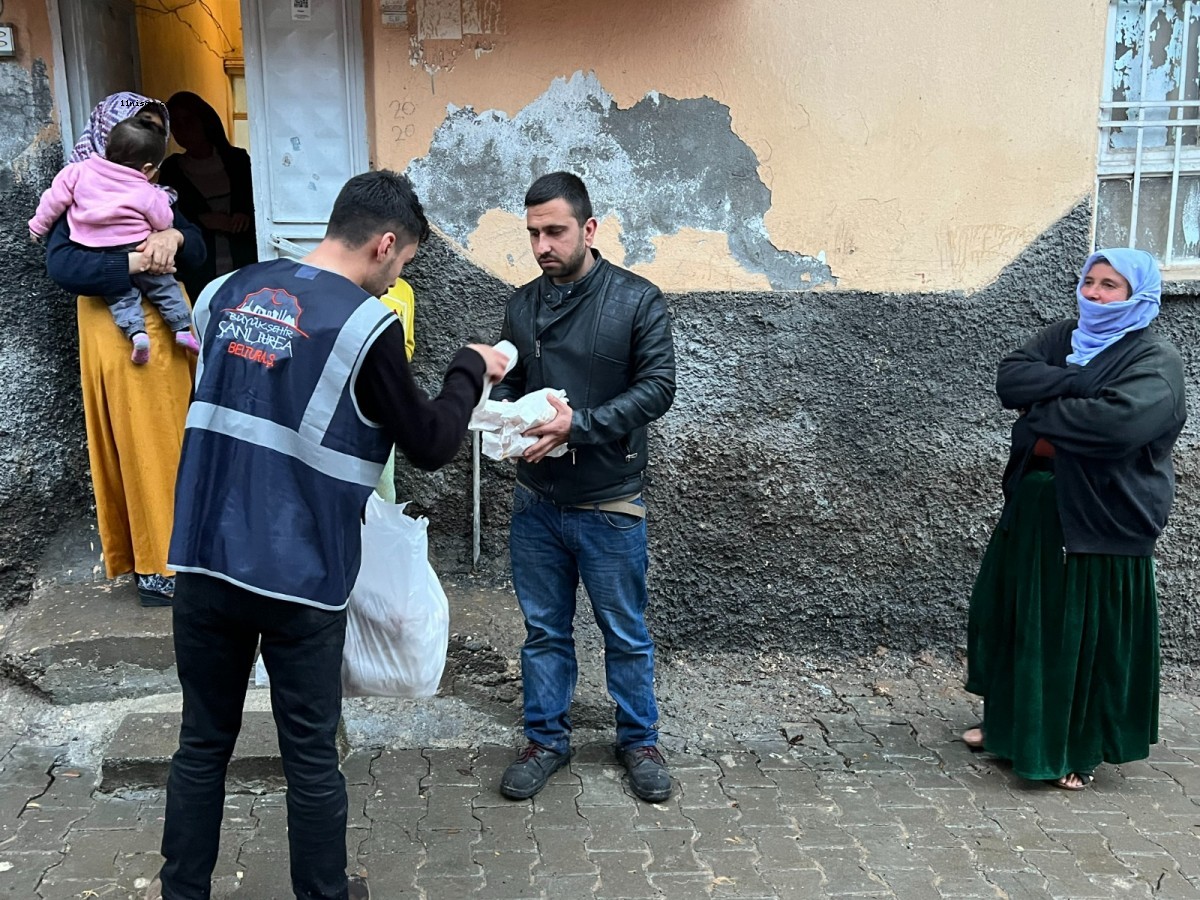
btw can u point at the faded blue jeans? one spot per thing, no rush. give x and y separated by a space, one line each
552 548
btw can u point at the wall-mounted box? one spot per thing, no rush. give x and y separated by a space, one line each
8 43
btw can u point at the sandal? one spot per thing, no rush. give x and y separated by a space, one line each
1085 779
973 745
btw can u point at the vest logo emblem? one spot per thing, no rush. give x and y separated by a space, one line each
262 327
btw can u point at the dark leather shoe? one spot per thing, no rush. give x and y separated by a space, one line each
648 775
358 889
529 771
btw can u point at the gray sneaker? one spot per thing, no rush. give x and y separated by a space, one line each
531 769
648 775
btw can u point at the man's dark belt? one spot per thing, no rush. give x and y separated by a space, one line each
619 505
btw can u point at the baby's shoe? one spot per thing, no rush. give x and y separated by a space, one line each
141 349
187 340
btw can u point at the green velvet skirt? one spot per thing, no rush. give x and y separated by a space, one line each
1062 647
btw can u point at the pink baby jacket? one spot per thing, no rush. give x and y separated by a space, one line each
107 204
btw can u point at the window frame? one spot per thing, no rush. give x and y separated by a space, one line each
1173 159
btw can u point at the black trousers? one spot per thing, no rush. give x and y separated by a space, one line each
217 626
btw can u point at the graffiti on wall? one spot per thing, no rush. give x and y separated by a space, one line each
660 166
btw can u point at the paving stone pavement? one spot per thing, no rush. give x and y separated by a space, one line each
876 800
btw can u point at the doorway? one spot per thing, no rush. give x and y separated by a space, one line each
286 77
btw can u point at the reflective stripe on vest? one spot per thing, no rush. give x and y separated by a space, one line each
305 443
265 433
340 367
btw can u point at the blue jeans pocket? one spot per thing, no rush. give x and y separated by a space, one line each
624 521
523 498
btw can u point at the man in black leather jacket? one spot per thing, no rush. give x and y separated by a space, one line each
603 335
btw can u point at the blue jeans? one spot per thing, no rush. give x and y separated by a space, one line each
553 547
217 626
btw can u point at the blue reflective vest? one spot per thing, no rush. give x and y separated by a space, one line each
278 461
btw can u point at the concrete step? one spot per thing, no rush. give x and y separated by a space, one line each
82 638
139 754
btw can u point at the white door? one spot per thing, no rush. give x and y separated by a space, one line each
99 48
308 128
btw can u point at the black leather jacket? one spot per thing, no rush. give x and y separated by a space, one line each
610 349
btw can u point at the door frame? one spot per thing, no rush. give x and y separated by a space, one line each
279 238
70 72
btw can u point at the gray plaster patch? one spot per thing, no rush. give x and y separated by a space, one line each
661 165
25 106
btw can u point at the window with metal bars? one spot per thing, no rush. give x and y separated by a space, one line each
1148 190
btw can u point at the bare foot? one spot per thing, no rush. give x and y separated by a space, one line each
973 738
1073 781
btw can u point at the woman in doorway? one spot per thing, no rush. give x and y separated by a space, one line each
1063 630
134 415
212 178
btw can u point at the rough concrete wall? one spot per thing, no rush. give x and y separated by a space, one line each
830 472
43 463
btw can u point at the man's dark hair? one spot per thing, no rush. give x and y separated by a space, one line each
561 186
135 142
374 202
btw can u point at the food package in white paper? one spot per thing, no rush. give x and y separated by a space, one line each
502 424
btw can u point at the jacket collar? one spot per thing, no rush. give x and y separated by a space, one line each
548 290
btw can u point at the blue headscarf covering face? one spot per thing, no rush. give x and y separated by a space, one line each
1103 324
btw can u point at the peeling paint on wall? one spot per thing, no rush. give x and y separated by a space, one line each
25 107
1146 65
448 29
452 19
659 166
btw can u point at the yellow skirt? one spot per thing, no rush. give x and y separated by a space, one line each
134 417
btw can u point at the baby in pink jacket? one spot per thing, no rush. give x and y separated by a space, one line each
111 203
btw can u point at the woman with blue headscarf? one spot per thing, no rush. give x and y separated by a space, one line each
1063 628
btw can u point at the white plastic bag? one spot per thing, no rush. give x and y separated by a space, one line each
398 619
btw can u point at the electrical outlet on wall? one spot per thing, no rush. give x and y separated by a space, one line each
8 44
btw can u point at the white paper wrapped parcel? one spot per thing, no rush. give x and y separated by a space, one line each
502 424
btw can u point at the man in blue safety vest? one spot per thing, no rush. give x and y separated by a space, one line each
302 387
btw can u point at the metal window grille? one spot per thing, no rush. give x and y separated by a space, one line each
1148 187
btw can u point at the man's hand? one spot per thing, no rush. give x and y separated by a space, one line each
158 252
552 434
496 362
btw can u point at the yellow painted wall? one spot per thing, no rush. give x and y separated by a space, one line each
184 46
920 144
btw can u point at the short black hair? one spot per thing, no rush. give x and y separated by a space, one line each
373 203
561 186
135 142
